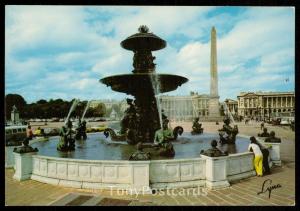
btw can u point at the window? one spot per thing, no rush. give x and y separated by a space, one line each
14 130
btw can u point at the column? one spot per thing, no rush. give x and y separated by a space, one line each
272 102
286 99
281 102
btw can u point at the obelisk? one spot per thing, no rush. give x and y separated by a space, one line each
213 106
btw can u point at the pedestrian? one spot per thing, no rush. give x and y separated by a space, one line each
29 133
265 152
258 156
262 125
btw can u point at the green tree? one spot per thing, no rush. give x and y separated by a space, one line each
18 101
99 110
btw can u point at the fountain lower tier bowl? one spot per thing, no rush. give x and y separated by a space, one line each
134 84
97 147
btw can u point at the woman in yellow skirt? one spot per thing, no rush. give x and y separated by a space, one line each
258 156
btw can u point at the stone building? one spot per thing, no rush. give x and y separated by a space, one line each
183 108
232 106
266 105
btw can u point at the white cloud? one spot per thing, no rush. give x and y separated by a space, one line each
61 49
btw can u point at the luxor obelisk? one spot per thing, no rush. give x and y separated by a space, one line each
213 106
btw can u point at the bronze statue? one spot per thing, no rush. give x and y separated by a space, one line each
25 148
66 141
197 127
143 84
272 138
163 138
264 134
227 133
81 130
139 154
213 151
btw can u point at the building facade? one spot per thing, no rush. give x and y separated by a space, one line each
266 105
185 108
232 106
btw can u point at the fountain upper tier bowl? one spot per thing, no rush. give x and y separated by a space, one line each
147 41
135 83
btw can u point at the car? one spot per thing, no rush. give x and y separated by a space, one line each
285 121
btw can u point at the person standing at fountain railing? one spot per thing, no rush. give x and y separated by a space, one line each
258 156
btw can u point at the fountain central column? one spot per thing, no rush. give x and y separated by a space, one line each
143 119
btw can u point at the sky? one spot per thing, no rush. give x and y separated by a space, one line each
63 51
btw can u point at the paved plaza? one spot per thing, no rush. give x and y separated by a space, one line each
243 192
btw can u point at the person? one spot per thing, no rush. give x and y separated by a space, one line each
139 154
264 134
29 133
272 138
262 125
258 156
265 153
213 151
197 126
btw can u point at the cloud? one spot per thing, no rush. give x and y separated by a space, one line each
63 51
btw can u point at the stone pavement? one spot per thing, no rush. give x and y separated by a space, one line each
239 193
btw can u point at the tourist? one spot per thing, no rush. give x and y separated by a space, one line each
262 125
265 152
213 151
272 138
264 134
29 133
258 156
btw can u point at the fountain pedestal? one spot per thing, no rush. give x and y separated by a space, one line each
23 162
216 172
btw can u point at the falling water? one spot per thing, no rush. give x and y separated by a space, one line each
156 87
228 112
75 102
86 108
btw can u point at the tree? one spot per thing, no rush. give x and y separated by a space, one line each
99 110
42 101
18 101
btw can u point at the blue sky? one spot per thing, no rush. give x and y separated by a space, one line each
63 51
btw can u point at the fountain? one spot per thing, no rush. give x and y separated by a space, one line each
100 163
144 84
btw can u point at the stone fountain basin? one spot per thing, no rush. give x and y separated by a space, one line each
139 82
97 147
138 176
